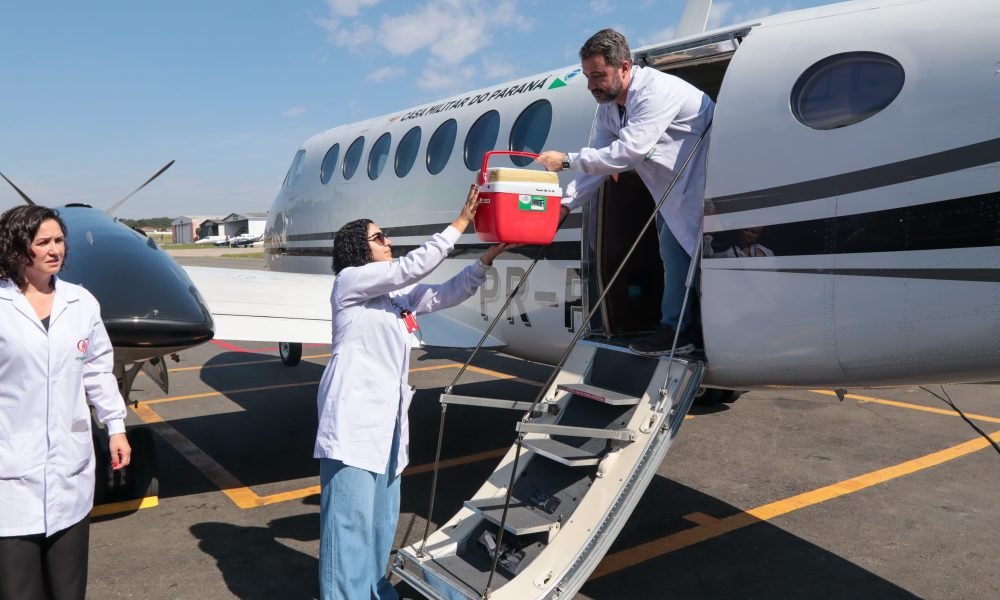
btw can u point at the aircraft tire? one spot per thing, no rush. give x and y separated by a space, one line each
143 481
714 396
290 352
138 480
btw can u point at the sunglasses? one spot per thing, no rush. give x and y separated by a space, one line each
378 236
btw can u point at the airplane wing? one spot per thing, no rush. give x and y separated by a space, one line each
267 306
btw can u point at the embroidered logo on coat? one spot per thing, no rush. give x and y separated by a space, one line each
82 346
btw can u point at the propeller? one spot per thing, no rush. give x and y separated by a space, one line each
24 196
115 206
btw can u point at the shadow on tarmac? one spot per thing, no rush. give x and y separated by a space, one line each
269 439
256 564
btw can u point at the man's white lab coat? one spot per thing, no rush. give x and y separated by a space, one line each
664 117
364 387
46 378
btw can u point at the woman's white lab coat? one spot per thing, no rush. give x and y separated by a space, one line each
364 387
46 378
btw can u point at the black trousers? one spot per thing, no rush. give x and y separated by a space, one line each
35 567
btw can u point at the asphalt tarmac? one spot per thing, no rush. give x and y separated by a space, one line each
782 494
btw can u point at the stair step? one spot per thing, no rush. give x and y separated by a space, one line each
523 518
622 435
592 392
519 405
562 453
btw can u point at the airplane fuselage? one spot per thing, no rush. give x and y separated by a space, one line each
857 143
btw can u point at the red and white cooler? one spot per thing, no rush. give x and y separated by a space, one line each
517 206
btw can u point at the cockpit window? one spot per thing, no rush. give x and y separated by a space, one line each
440 146
845 89
295 169
481 139
406 152
530 130
378 155
329 164
353 157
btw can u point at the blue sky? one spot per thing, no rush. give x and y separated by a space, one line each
99 95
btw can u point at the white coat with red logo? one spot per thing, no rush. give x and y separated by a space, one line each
46 379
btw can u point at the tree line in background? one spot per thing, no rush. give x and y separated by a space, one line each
157 222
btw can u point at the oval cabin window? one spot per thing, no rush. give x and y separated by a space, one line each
329 164
406 152
352 158
440 146
530 130
481 139
845 89
378 156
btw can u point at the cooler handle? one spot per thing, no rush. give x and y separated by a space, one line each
486 159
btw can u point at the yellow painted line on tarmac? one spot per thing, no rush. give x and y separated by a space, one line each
227 392
455 462
314 490
709 527
125 506
930 409
241 495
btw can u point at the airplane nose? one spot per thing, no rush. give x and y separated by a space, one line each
147 300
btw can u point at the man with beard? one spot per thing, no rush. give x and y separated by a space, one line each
648 121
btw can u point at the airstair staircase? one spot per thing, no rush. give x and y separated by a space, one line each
583 457
584 453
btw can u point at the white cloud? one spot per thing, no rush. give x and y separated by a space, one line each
352 35
451 30
293 112
660 35
444 78
600 7
385 74
349 8
495 68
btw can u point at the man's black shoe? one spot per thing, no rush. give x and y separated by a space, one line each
659 343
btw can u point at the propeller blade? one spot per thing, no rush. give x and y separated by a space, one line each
115 206
18 190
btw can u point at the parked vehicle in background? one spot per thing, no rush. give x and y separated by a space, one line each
244 239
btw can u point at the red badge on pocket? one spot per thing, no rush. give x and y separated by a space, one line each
410 320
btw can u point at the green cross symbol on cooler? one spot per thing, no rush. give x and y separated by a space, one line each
529 202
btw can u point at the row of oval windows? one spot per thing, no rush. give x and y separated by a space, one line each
528 134
835 92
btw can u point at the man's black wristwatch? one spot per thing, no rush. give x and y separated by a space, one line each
565 163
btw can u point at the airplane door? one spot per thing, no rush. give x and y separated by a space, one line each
824 136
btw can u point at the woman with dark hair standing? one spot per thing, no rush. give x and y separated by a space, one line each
363 437
55 356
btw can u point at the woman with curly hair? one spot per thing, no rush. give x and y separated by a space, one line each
363 436
55 356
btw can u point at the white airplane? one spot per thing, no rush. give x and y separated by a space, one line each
852 234
860 138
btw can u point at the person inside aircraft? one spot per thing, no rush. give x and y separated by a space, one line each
746 245
363 435
648 121
55 356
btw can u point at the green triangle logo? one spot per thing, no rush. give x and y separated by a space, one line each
558 83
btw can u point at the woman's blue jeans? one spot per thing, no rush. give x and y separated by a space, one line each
358 515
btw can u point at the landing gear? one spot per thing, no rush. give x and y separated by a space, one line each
140 479
713 396
291 353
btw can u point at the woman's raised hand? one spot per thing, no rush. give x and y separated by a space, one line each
468 209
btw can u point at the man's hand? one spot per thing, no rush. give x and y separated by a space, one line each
563 213
551 160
